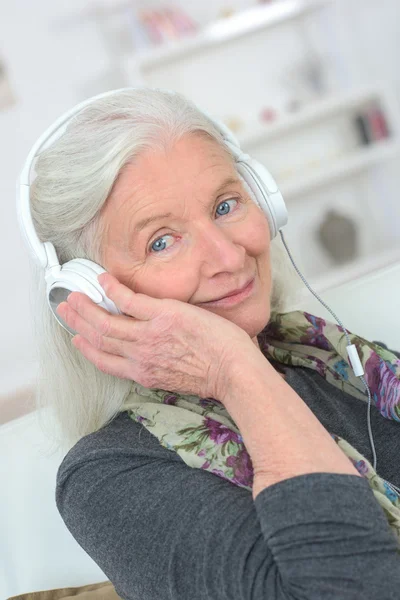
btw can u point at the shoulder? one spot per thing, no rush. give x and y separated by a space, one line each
121 439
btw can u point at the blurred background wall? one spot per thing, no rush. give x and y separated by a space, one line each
311 88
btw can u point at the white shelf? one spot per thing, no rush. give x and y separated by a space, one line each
346 166
314 112
223 30
359 268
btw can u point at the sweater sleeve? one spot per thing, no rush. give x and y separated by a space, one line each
161 530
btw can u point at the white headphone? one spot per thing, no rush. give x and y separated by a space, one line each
79 274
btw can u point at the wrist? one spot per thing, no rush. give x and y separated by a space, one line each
243 369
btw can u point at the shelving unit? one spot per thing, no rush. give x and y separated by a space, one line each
339 167
320 110
354 270
222 31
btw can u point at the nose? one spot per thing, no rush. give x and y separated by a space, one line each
219 251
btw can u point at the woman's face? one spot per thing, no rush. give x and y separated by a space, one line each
213 241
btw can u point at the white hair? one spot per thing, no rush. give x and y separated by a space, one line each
75 176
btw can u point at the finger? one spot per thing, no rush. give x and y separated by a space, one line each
120 327
107 363
87 331
131 303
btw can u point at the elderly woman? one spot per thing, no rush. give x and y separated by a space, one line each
207 458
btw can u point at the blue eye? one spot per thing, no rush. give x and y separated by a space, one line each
159 245
225 203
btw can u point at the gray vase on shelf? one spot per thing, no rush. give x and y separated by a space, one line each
338 235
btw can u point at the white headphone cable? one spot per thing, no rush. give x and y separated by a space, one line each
354 360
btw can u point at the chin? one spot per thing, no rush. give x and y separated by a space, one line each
253 326
252 318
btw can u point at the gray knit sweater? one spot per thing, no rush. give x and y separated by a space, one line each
161 530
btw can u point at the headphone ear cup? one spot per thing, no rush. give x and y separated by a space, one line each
266 192
77 275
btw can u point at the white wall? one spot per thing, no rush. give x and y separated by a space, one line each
51 70
47 70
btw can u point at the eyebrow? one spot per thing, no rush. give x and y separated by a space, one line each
148 220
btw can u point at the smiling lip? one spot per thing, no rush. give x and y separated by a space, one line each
233 297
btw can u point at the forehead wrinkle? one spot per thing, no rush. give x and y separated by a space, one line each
167 195
127 194
214 188
200 200
127 200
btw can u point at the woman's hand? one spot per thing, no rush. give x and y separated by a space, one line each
160 343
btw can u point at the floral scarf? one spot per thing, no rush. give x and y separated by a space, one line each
205 436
